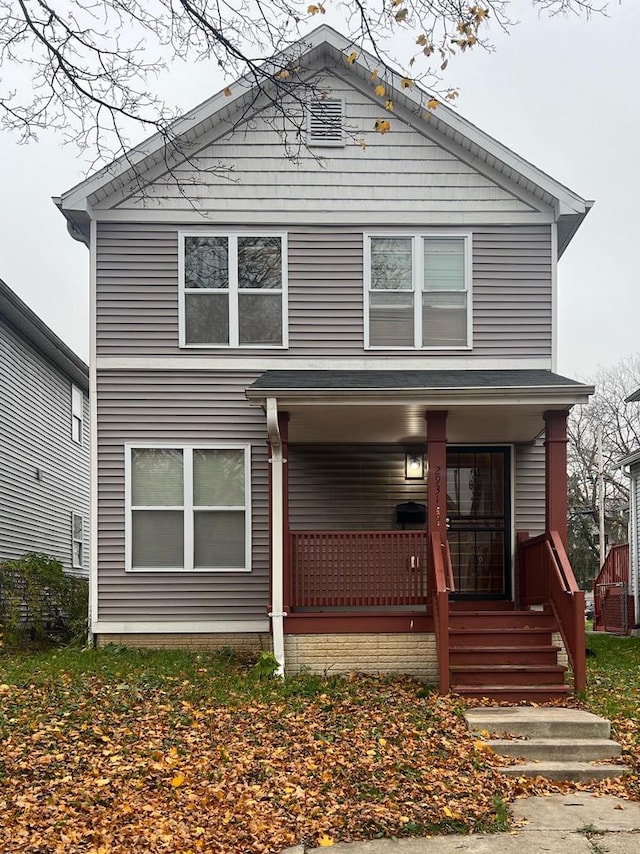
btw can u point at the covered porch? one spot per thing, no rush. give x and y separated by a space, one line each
399 496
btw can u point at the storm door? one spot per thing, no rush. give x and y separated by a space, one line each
478 520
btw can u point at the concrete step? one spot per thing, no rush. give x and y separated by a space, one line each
557 749
463 675
556 743
577 771
528 722
503 655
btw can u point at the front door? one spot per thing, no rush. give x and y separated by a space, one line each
478 518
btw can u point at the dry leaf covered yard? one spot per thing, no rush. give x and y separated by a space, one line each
119 751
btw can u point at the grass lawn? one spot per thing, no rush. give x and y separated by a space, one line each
124 751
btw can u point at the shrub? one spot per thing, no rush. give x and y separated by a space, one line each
39 604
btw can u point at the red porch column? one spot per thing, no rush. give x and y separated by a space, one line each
287 579
437 473
555 446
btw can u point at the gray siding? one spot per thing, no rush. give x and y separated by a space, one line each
138 293
185 408
349 487
35 434
402 173
529 488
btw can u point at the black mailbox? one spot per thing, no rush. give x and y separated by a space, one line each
411 513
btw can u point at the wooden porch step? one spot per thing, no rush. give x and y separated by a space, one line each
500 637
516 693
480 605
501 619
507 674
523 654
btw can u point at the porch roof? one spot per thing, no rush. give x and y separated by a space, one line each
422 384
389 406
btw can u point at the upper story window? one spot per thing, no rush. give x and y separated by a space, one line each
188 508
77 414
418 291
233 290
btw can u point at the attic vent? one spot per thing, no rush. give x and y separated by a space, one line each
325 121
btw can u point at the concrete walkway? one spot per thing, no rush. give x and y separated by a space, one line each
573 824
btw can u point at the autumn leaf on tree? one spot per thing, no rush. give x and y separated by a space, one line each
432 104
227 92
352 57
380 90
382 126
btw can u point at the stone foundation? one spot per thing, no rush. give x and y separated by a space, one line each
413 654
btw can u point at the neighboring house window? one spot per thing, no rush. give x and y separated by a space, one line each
77 540
418 291
77 413
233 290
188 508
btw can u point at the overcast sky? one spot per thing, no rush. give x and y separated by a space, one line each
562 93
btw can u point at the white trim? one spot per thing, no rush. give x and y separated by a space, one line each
366 216
189 627
93 432
75 540
554 296
233 291
277 544
257 364
187 507
417 254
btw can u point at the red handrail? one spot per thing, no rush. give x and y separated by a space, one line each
546 578
441 584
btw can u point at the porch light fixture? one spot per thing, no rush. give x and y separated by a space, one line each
414 467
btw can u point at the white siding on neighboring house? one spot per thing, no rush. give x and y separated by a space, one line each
44 474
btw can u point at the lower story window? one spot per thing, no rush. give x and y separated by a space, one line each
188 508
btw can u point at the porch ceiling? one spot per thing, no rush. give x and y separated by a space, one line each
405 424
389 406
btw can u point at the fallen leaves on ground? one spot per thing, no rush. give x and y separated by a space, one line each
91 763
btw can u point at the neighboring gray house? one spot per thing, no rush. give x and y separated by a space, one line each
382 312
44 441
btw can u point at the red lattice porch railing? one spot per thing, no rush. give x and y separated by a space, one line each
357 568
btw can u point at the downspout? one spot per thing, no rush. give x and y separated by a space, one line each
276 614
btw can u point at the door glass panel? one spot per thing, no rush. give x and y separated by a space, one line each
477 503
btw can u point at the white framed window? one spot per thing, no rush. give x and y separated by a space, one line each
418 291
77 541
77 414
233 290
188 508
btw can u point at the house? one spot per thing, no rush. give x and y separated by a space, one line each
44 441
327 412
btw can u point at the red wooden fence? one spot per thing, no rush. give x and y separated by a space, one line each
612 601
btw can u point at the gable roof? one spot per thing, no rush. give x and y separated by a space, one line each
25 321
326 46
